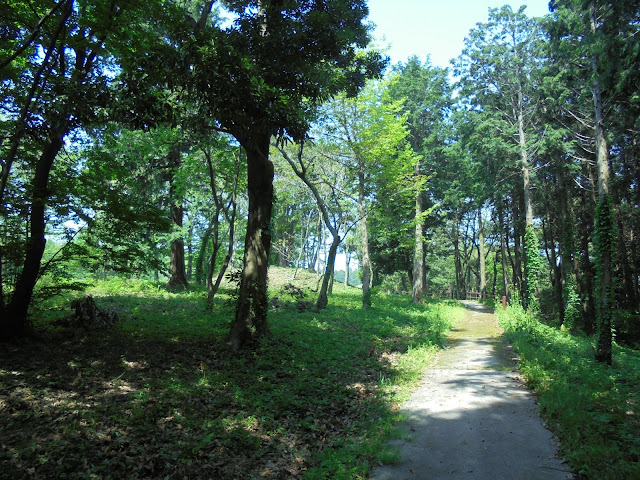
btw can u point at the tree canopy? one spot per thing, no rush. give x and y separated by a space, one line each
138 138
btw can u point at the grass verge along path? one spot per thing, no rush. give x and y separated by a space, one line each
593 408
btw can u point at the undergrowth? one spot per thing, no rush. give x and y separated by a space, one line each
593 408
162 395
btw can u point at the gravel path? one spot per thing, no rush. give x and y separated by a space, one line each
472 418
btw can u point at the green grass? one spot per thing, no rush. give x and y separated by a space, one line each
162 395
593 408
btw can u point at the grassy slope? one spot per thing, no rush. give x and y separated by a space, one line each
593 408
162 395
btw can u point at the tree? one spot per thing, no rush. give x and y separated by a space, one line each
326 180
261 77
371 132
498 69
58 82
597 40
426 96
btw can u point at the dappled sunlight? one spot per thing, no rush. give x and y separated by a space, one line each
164 374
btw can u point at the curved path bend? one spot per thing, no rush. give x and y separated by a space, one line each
472 417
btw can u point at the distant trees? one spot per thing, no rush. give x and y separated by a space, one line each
425 94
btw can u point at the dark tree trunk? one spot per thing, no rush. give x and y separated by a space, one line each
554 265
14 323
177 270
250 322
586 284
213 258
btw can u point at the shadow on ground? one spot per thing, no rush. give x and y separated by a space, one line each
472 417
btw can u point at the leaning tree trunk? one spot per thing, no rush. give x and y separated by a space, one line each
225 264
213 258
14 323
323 300
231 218
250 322
201 253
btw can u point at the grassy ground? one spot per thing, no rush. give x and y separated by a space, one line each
593 408
161 395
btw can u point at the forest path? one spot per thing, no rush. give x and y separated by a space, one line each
472 417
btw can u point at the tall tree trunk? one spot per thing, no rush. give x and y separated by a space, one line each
554 265
518 281
303 244
250 322
213 258
327 280
418 251
177 270
315 252
525 167
190 252
503 253
15 139
347 254
204 241
459 293
604 231
481 257
586 284
14 321
366 260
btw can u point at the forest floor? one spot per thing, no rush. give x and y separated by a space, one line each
162 395
472 417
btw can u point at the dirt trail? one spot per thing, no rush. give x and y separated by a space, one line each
472 418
